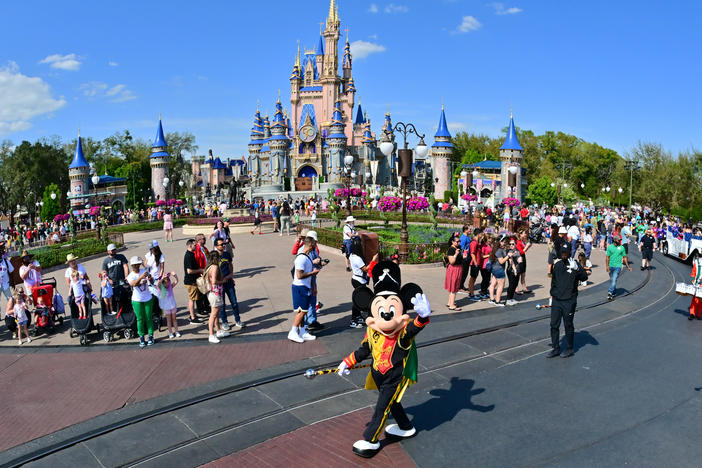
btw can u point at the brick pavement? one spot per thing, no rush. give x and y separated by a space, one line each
323 444
45 392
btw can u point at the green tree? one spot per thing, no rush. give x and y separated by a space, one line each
540 192
51 207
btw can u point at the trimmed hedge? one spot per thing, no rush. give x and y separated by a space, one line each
56 254
147 226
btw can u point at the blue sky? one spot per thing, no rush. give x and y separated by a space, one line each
607 71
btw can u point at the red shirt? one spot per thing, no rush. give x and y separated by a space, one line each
474 250
524 213
520 246
201 256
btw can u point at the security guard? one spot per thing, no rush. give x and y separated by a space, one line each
566 275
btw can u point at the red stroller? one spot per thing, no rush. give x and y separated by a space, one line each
44 315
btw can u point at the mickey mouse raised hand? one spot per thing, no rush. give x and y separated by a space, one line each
389 342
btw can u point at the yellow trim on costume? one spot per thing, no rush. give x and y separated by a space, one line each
420 324
350 360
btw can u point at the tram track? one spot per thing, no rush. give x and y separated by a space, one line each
298 373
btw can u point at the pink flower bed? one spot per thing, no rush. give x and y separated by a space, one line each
232 220
388 203
354 192
469 197
417 204
510 201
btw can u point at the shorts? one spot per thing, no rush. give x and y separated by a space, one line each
301 297
347 244
498 273
647 254
215 300
22 323
522 266
193 292
170 311
474 271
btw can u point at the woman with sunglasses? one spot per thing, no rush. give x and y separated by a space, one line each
512 269
498 260
454 270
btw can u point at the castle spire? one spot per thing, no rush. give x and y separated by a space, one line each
332 12
359 114
442 131
160 141
297 57
511 142
320 46
79 158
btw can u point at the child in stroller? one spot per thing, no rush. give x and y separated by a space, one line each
45 306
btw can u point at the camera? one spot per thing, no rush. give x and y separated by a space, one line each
325 261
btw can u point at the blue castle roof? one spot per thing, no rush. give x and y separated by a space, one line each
320 46
359 116
218 164
511 143
442 131
278 119
160 140
79 158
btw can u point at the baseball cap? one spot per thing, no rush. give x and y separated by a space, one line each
111 247
135 261
562 230
312 234
154 243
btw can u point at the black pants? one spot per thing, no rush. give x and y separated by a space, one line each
513 280
485 283
464 272
386 405
566 311
355 312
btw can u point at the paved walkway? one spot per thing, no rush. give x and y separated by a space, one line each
262 264
320 445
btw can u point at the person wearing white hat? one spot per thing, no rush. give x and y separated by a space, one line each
349 234
73 265
142 301
116 265
155 262
302 290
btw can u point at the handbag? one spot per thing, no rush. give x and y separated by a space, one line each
201 282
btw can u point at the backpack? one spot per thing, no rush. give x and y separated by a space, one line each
202 282
292 270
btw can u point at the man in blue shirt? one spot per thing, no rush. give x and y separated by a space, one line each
465 247
227 270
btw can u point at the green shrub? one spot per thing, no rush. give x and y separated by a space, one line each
56 254
148 226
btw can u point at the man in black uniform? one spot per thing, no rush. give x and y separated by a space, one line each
117 270
647 245
566 274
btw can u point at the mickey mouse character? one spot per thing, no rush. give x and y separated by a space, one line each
389 341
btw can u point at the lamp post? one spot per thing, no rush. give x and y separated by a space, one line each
166 181
404 171
348 162
95 179
630 165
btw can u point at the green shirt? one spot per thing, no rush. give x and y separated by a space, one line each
616 254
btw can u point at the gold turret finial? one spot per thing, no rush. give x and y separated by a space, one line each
511 114
297 58
332 12
278 94
78 131
258 105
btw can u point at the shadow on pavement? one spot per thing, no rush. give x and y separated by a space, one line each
446 404
249 272
582 339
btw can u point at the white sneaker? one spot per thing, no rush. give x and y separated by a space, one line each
170 335
511 302
19 342
222 334
238 324
304 334
29 340
213 339
177 334
365 449
225 326
394 430
293 336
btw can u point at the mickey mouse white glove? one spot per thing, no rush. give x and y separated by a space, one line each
343 369
421 305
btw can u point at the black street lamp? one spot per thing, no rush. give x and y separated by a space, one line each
405 171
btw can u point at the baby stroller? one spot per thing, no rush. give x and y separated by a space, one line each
536 233
123 318
81 327
45 317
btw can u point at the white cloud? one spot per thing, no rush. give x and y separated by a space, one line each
373 36
23 98
456 126
373 8
63 62
392 8
469 23
501 10
112 64
116 93
362 49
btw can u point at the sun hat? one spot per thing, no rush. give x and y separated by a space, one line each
562 230
111 247
70 257
350 219
135 260
312 234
